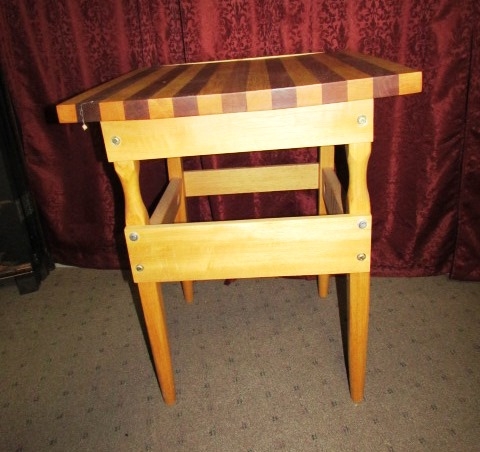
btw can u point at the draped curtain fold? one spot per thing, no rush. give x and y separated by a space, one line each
424 170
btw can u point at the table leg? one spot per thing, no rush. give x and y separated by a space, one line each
358 202
154 312
150 293
128 172
358 309
175 169
326 158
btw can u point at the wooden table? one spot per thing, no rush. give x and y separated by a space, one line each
285 102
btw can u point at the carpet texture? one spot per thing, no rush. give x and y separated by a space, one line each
259 366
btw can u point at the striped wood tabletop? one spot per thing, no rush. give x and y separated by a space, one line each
241 85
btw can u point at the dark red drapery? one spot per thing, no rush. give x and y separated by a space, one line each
424 173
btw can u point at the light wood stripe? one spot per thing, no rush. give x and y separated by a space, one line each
160 108
360 84
334 86
160 103
68 111
164 76
112 111
210 96
259 94
234 98
136 86
309 91
385 81
390 66
112 104
182 106
365 64
409 83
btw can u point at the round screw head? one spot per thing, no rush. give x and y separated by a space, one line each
116 140
362 120
361 256
133 236
139 268
362 224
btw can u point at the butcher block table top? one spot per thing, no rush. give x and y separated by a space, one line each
244 85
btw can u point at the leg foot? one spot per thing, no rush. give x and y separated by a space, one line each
358 309
323 281
154 312
187 287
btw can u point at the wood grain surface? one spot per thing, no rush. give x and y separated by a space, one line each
241 85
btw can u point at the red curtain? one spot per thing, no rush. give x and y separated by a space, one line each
50 51
425 164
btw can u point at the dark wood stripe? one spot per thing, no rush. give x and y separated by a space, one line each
335 92
386 86
334 86
163 80
137 109
88 111
234 102
238 79
234 97
185 106
195 85
278 75
363 65
111 90
284 98
385 82
284 91
185 99
322 72
90 107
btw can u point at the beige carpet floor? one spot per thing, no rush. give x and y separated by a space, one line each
259 366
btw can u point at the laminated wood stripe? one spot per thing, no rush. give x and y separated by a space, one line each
234 86
234 90
88 107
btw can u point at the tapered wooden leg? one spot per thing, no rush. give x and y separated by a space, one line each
358 309
323 283
154 312
150 293
187 287
358 203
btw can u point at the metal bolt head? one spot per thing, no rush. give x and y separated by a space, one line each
362 224
362 120
361 256
139 268
133 236
116 141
